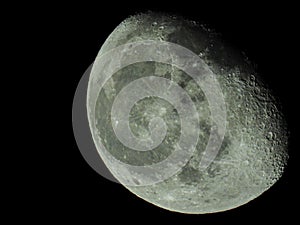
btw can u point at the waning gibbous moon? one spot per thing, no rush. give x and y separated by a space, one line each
146 115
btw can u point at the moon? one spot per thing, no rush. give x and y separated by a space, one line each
133 109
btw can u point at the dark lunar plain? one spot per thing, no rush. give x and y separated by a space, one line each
266 33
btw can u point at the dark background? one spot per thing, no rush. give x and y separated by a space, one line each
266 33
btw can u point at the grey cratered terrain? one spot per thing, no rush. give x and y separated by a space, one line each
254 150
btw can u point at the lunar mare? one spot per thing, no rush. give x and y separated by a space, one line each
254 149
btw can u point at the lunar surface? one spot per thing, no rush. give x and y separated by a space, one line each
253 153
